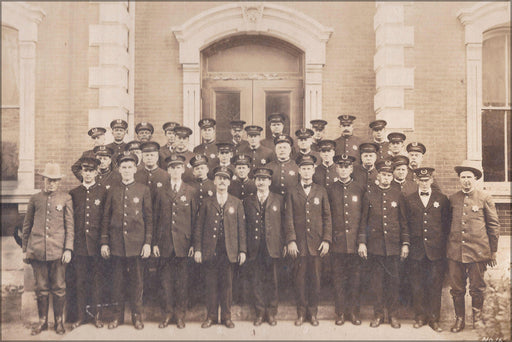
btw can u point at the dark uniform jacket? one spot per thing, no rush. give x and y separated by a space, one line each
349 146
175 219
308 218
207 228
475 227
209 150
407 187
383 151
261 156
285 176
118 149
241 189
164 152
154 179
365 177
88 207
428 226
383 227
325 176
48 228
76 168
269 221
204 189
345 200
411 176
241 147
108 178
127 220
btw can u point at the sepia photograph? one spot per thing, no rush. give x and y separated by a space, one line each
256 170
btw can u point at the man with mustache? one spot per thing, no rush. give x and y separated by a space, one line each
237 130
348 143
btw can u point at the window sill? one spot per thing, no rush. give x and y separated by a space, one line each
500 191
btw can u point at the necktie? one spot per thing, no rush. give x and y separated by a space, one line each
424 193
307 185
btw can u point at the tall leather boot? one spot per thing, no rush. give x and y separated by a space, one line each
460 313
58 309
477 304
42 310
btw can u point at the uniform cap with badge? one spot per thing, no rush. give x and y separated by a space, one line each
150 146
206 123
223 172
88 163
283 138
344 159
96 132
241 159
377 125
103 150
277 117
416 147
198 159
346 119
263 172
305 159
182 131
52 171
304 133
253 130
118 123
326 145
224 147
368 147
319 125
175 159
132 145
170 126
424 173
127 156
400 160
384 165
237 125
144 126
470 165
395 137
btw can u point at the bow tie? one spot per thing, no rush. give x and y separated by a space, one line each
424 193
307 185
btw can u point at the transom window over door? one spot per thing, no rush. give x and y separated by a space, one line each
250 77
496 105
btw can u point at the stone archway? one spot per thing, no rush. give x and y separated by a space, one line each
257 19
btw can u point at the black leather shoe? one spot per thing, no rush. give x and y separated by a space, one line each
395 323
299 321
272 320
340 319
59 325
114 324
180 323
78 323
41 326
435 326
258 321
354 318
376 322
418 323
165 322
314 321
138 322
207 323
459 325
229 324
97 320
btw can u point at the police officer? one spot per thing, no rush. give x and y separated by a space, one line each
304 141
105 175
400 180
208 145
366 173
119 129
224 155
318 126
325 172
48 234
416 152
237 130
345 199
383 239
308 229
134 147
176 207
97 135
144 131
265 242
285 173
260 155
242 186
347 143
472 242
219 243
428 216
88 202
126 234
379 137
204 186
396 144
170 145
276 123
151 175
181 148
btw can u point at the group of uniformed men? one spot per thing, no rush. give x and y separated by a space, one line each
259 200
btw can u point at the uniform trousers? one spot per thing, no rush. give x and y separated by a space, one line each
219 283
458 273
307 284
132 270
50 277
265 285
173 273
427 284
88 283
385 283
346 269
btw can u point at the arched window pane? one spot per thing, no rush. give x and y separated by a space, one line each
10 67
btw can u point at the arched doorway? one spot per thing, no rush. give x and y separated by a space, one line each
249 77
